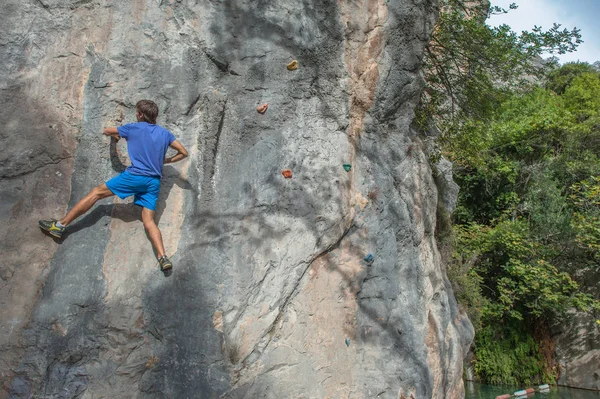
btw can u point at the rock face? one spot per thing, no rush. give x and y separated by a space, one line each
577 341
578 352
270 296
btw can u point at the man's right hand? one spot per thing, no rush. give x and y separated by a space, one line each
113 132
181 152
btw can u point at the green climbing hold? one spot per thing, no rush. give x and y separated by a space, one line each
347 167
347 341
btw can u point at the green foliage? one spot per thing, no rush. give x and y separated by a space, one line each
527 161
471 67
582 98
467 286
586 220
508 355
528 217
508 284
515 273
546 207
560 79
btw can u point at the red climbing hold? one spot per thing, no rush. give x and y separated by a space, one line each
287 173
262 108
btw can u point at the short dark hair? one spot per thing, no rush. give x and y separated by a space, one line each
148 109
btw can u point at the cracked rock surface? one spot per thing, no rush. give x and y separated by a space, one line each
578 349
270 295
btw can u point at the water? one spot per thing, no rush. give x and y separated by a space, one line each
474 390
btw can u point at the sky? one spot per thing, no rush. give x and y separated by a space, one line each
581 14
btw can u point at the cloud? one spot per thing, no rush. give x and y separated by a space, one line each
545 13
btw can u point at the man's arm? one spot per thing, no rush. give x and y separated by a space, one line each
181 152
113 132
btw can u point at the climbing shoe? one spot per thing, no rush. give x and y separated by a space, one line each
51 227
165 263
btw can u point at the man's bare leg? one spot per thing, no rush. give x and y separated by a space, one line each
86 203
153 231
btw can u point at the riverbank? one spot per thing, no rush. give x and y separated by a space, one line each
475 390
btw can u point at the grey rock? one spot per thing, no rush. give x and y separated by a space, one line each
577 339
578 351
269 277
447 187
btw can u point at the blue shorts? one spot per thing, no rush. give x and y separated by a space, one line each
145 189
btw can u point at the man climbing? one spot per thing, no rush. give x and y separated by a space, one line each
147 144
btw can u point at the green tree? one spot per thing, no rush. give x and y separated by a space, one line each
470 66
582 97
560 78
586 219
526 158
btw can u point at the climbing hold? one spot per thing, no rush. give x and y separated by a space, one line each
292 66
262 108
369 258
348 342
347 167
287 173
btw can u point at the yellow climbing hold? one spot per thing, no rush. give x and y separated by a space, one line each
292 66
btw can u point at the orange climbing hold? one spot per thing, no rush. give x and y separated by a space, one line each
262 108
287 173
292 66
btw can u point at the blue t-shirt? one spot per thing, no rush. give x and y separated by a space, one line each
147 145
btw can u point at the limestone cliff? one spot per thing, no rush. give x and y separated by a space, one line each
578 352
577 340
269 296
